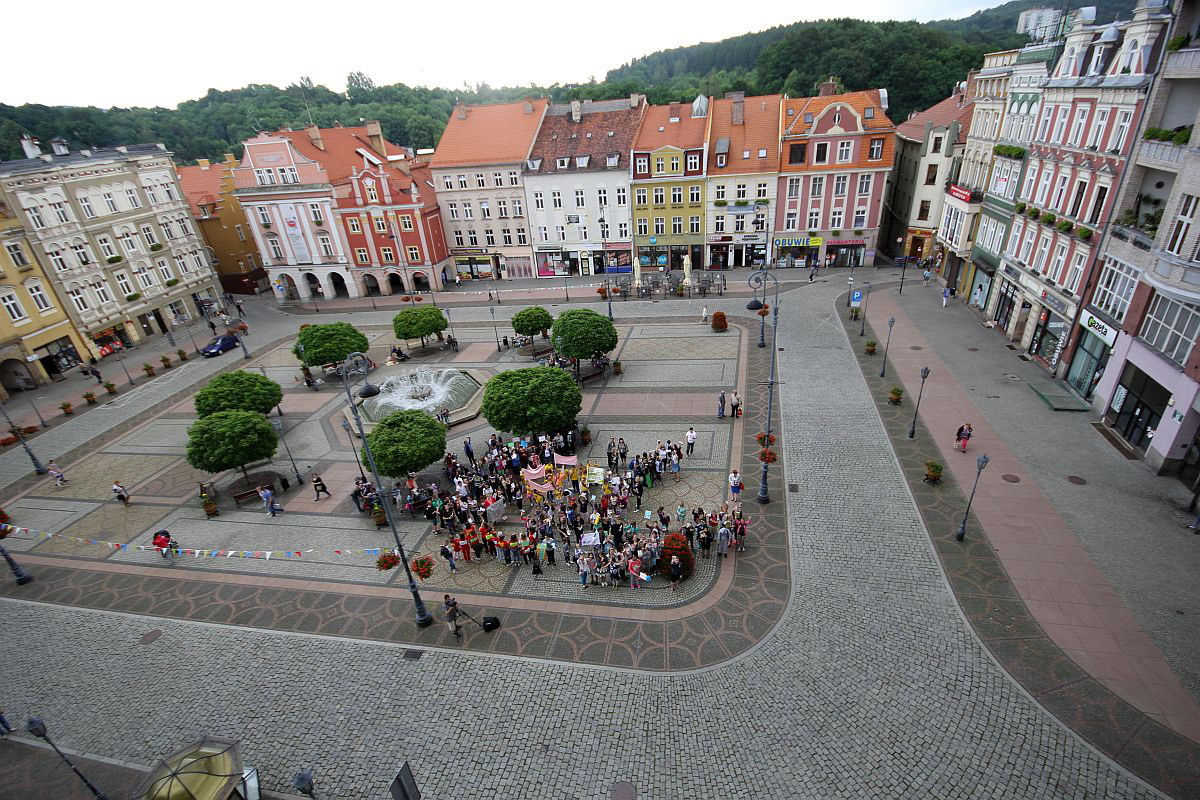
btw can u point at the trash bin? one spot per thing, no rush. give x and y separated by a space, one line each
505 340
283 482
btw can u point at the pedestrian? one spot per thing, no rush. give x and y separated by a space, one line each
5 728
704 316
691 440
212 326
735 404
468 450
95 373
319 487
120 492
165 545
977 297
241 311
676 572
945 296
450 607
812 272
457 280
735 484
962 436
721 405
60 478
723 537
448 554
926 276
584 570
268 498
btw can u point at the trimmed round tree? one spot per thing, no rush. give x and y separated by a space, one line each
582 333
230 440
418 323
329 343
676 544
532 400
241 390
532 321
406 441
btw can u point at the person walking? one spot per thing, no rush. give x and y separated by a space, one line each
165 545
319 487
60 478
926 276
212 326
469 450
268 498
945 296
120 492
735 404
723 537
241 310
721 405
735 484
690 437
450 607
962 436
704 316
448 554
812 272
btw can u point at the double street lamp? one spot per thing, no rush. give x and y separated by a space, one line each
352 363
758 279
980 464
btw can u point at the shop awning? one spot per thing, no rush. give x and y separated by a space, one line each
209 769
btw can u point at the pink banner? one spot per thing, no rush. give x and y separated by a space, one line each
534 474
566 461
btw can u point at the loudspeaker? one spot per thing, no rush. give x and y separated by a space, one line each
491 623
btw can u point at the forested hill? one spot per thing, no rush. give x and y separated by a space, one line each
917 63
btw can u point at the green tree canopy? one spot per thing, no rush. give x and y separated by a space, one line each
419 322
229 440
329 342
241 390
406 441
532 400
532 321
582 333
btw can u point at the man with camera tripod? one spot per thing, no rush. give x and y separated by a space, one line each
450 607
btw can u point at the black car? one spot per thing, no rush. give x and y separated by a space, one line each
218 345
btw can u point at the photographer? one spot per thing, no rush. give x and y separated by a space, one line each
450 607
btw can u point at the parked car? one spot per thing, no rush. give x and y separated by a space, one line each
219 345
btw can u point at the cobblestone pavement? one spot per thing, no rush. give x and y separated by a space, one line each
871 685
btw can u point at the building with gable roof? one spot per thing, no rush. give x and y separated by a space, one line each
477 168
743 175
223 224
577 187
837 152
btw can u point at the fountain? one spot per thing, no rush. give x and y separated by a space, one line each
423 389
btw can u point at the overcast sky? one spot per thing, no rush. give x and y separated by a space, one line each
163 53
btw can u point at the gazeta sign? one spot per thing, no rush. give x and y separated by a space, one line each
1100 328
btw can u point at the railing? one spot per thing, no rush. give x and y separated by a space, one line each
1161 152
1132 235
1183 61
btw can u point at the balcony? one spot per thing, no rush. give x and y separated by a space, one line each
1174 274
1160 155
1133 236
1183 64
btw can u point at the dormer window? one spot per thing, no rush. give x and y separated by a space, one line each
614 159
1097 57
581 161
534 164
745 154
1129 54
869 112
564 163
762 152
808 117
721 160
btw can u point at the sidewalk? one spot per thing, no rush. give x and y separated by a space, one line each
1100 568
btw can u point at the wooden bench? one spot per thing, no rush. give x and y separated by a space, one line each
252 492
587 376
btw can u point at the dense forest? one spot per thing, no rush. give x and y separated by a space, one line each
918 63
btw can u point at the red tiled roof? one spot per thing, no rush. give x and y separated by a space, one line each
940 116
760 131
859 101
490 134
339 158
687 133
201 185
560 137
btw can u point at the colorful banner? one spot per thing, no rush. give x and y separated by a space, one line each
565 461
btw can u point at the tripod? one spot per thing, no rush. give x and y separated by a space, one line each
468 616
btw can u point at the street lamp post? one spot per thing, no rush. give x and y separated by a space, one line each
903 262
38 728
278 425
121 361
495 330
762 318
980 463
912 429
18 571
245 352
353 449
423 617
862 329
883 366
849 287
759 278
33 405
37 465
608 295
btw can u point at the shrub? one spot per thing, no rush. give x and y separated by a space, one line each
1048 218
230 440
676 544
1009 151
719 323
1179 42
154 248
133 296
1182 136
1084 233
1065 225
113 259
172 281
1032 212
329 343
238 391
1019 208
406 441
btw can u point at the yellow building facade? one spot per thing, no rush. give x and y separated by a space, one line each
222 222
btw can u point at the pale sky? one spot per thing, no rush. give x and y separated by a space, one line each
163 53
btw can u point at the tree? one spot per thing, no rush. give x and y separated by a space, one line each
419 322
582 333
406 441
532 321
329 343
230 439
532 400
241 390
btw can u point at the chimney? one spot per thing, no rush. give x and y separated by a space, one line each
635 100
314 133
576 111
229 159
828 87
202 163
674 112
375 135
59 146
739 110
460 111
30 146
527 106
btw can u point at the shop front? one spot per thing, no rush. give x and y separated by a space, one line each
1008 299
474 264
614 259
1137 406
58 356
551 261
949 268
1049 338
797 251
111 340
1096 340
845 252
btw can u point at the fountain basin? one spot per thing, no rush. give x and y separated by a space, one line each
424 389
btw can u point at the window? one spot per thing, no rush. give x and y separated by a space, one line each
1043 250
622 196
1121 131
839 185
1098 126
356 227
148 235
276 250
164 269
821 155
583 234
1080 190
660 195
40 299
579 200
659 164
1028 246
790 220
1071 281
468 211
515 180
56 258
263 217
489 237
406 222
937 144
60 212
623 229
414 254
110 202
643 164
480 181
760 191
472 239
693 162
1060 124
458 239
1060 258
485 210
1182 226
263 177
326 244
719 223
740 192
739 223
835 218
498 179
501 211
380 224
844 152
643 226
128 243
860 217
602 197
864 183
195 260
814 219
103 294
387 255
676 195
538 200
719 191
16 254
1171 326
35 217
106 246
462 181
1030 180
639 196
1043 186
85 203
80 302
1076 137
694 194
447 182
796 153
1060 191
13 306
793 188
288 175
604 231
676 224
674 163
694 224
543 233
556 199
1013 239
560 233
518 207
145 277
720 159
82 256
660 226
520 236
314 211
876 150
931 175
816 186
1098 204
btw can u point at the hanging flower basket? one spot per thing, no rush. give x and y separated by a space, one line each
404 298
762 312
422 566
387 561
764 439
768 456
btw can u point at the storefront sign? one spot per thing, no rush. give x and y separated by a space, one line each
1100 328
547 247
798 241
1118 399
468 251
959 193
1053 302
844 242
751 238
572 219
718 238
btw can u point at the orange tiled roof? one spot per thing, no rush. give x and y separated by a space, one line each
687 133
860 101
201 185
940 116
339 158
760 131
491 134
